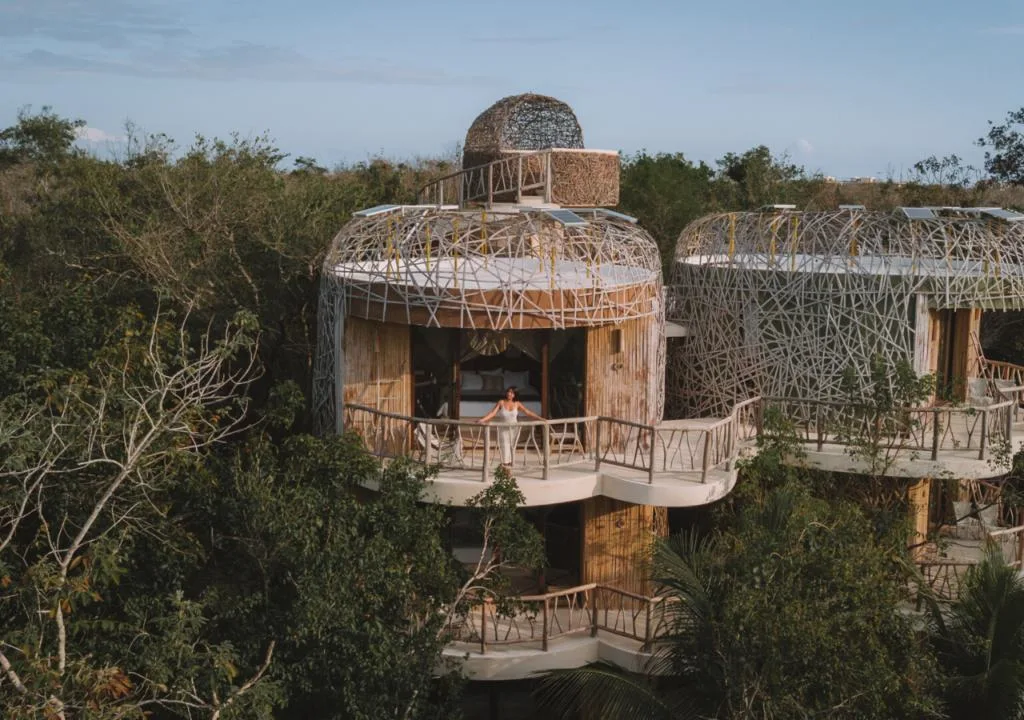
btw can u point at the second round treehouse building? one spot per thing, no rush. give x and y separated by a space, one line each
511 274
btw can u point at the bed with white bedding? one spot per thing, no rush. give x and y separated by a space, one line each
480 391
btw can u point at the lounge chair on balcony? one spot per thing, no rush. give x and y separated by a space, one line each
437 449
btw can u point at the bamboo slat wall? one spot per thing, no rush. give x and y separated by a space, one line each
378 370
954 328
622 374
918 500
617 539
622 379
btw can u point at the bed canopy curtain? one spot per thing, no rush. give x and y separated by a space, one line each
488 343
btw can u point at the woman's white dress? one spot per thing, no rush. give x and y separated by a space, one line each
508 433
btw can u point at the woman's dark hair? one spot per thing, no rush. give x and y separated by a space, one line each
515 395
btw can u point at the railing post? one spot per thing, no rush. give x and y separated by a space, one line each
935 435
706 457
654 447
544 636
597 445
547 177
1009 420
519 180
440 193
427 442
490 185
593 611
817 427
487 451
984 433
547 450
647 627
483 627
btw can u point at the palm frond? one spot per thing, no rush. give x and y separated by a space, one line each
609 692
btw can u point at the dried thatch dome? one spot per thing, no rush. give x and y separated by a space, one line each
521 122
518 125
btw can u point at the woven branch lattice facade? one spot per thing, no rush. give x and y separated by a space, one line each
515 270
782 303
521 122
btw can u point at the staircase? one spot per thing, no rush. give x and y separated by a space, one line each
522 178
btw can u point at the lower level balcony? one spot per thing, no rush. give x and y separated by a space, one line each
565 628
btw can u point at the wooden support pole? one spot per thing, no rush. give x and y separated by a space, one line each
483 626
547 449
544 636
935 435
653 444
984 434
597 445
706 458
487 452
428 443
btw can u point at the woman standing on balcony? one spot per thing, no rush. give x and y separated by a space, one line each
507 410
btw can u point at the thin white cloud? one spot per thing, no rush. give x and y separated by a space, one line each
1005 30
804 146
241 61
104 23
96 135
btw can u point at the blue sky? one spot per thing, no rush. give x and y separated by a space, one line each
864 88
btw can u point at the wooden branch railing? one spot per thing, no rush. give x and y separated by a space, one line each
934 429
548 444
658 448
508 178
584 609
945 577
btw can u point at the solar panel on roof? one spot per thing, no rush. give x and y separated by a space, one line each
1001 214
567 217
376 210
770 208
918 213
851 207
616 215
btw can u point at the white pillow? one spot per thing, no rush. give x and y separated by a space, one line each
519 379
472 381
499 371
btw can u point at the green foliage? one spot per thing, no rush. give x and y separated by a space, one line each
980 643
756 178
44 137
876 419
1004 148
665 192
789 612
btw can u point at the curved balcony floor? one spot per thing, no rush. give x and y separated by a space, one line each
571 483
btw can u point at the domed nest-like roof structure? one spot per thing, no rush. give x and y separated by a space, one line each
521 122
542 135
500 270
782 302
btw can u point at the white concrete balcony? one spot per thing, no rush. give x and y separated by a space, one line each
566 628
974 441
677 463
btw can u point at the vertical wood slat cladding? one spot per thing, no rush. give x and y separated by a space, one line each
617 538
378 373
619 384
617 535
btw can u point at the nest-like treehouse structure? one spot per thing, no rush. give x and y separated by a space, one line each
783 303
523 126
517 269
